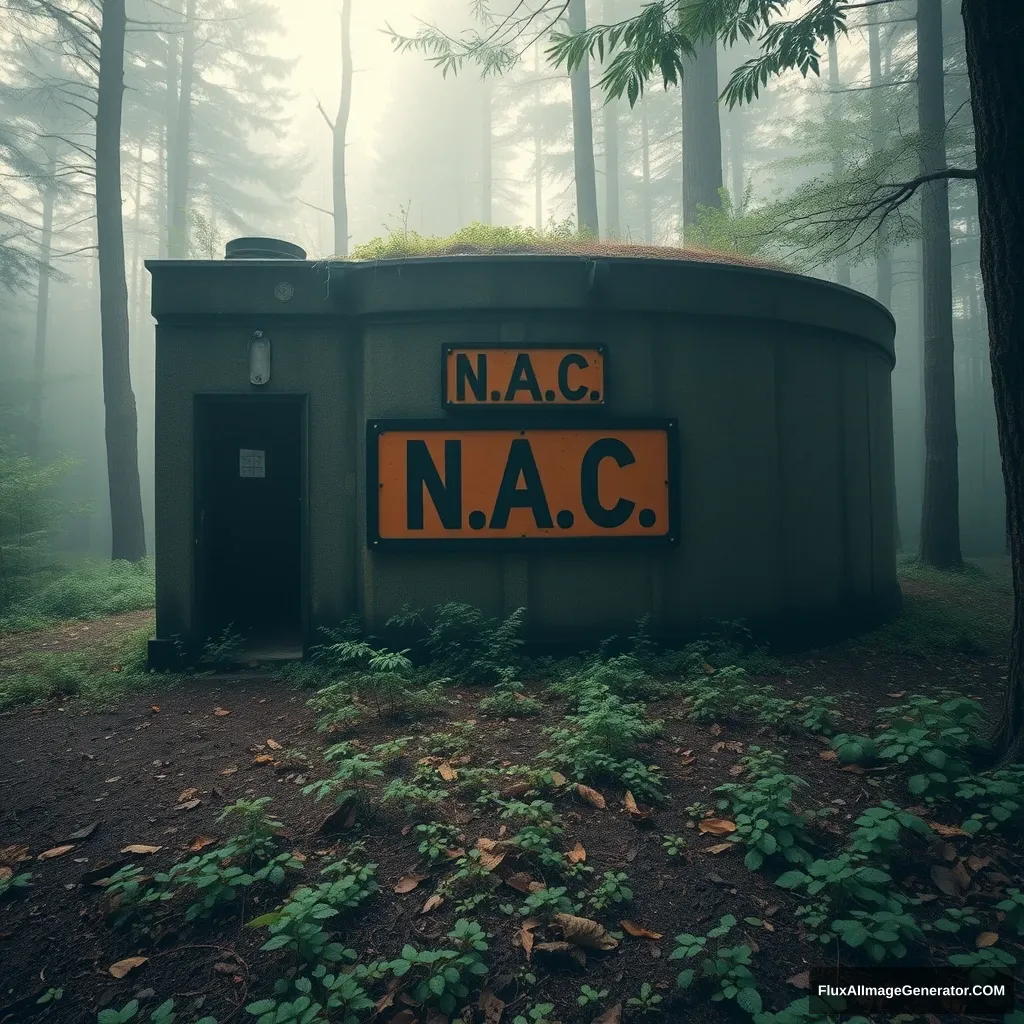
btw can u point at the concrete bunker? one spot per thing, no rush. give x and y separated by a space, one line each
593 436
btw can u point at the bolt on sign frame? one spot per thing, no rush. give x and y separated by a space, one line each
540 485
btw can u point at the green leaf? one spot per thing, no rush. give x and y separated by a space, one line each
749 999
685 979
261 1006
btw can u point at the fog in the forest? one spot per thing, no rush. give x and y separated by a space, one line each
260 163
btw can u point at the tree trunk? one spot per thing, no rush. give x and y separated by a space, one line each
133 292
940 513
340 196
613 227
737 146
177 243
645 168
583 131
35 412
702 135
538 146
486 156
167 134
834 84
993 67
883 258
121 421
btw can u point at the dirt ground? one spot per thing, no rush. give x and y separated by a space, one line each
97 781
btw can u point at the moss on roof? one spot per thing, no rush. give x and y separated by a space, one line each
486 240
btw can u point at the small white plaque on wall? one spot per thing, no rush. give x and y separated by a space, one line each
252 462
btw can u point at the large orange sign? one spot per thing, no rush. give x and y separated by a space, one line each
434 484
537 376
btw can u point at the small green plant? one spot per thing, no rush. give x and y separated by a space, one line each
588 996
1013 908
443 973
881 933
541 1013
953 919
302 1010
452 743
612 891
352 780
297 926
840 880
697 810
817 714
162 1014
765 821
437 840
546 903
412 798
883 829
51 995
674 846
727 966
391 750
509 702
647 1001
13 884
130 894
997 795
985 964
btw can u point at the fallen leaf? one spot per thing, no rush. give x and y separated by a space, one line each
11 855
189 805
57 851
947 830
409 882
154 707
977 863
562 949
403 1017
737 769
852 769
577 855
526 938
122 967
801 980
828 755
263 759
719 848
432 903
447 772
486 844
221 712
898 693
947 851
200 843
635 813
492 1007
491 860
734 745
986 939
583 932
273 744
520 881
230 771
141 848
962 875
715 730
591 796
613 1015
945 881
188 794
717 826
84 833
558 779
637 931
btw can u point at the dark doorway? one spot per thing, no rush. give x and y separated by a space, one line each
249 458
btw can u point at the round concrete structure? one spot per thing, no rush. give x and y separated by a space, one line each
779 385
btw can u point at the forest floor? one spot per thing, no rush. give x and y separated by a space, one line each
83 780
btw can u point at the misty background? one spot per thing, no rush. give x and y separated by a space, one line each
433 154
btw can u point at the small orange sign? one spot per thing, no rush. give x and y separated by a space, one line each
432 483
537 376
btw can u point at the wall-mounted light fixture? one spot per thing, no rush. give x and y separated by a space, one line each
259 358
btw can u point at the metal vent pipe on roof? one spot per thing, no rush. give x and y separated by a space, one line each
262 249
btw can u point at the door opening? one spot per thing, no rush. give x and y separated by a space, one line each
249 458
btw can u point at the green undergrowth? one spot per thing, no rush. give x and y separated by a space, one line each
92 590
966 611
97 676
